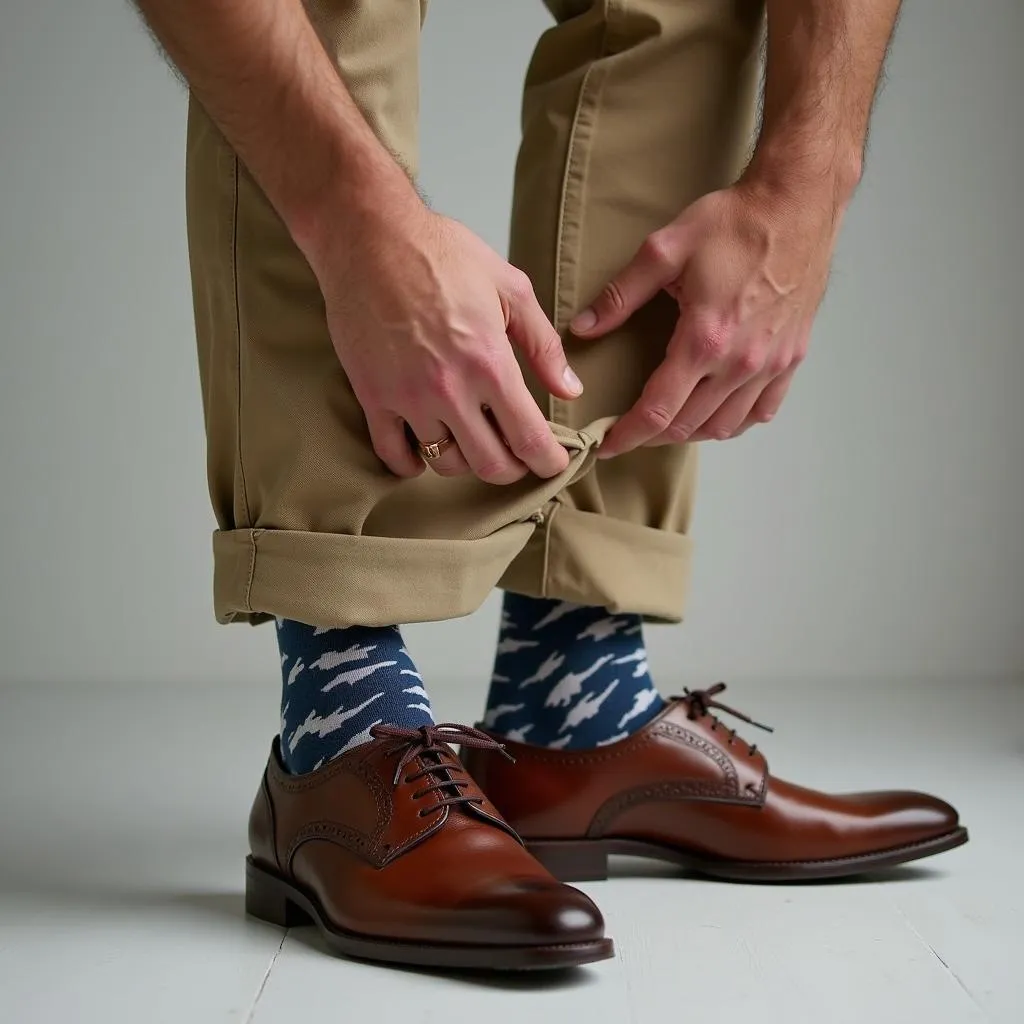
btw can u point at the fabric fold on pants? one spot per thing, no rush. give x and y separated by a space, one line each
335 579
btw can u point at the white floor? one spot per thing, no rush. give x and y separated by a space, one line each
122 833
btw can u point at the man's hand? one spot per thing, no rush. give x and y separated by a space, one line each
748 265
422 313
420 310
748 269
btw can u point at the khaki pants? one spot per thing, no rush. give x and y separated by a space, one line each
632 109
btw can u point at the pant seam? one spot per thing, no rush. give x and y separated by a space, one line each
252 569
556 406
238 339
545 558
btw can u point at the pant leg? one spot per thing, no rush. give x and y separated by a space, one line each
311 525
631 110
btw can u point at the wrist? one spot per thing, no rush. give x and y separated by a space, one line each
826 175
360 203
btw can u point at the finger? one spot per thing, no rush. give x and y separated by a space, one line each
657 263
533 335
663 396
528 434
733 412
701 406
704 400
769 402
488 456
427 430
390 442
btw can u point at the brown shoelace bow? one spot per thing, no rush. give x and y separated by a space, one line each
433 741
700 703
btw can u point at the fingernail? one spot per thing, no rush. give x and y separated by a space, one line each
585 321
572 382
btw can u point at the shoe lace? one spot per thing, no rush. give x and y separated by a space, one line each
699 704
442 770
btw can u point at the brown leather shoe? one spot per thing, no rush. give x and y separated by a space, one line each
686 789
395 854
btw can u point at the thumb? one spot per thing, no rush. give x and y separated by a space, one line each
532 333
651 269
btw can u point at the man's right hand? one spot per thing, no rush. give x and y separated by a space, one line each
420 310
423 315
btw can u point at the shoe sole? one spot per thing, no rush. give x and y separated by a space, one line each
586 860
272 898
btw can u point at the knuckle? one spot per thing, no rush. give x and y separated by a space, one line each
679 433
612 298
776 364
764 415
453 468
488 368
798 356
750 363
442 381
656 416
659 251
532 443
711 340
519 285
500 471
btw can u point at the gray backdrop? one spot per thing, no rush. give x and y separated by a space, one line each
873 530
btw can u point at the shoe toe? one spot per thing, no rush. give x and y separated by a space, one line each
905 817
926 816
537 912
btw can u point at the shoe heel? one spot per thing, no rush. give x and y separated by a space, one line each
267 899
572 860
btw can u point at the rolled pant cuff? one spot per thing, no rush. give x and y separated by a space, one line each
336 580
328 579
595 560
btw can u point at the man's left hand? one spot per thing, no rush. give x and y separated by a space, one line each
748 268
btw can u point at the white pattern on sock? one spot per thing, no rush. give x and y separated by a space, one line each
323 725
509 646
493 714
560 609
518 735
601 629
360 737
642 700
356 675
587 707
332 659
551 664
296 671
638 655
613 739
571 684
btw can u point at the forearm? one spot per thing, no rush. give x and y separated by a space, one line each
824 62
261 73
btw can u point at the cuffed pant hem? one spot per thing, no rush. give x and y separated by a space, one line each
595 560
327 579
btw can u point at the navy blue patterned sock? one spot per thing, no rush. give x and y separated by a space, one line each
569 676
338 684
